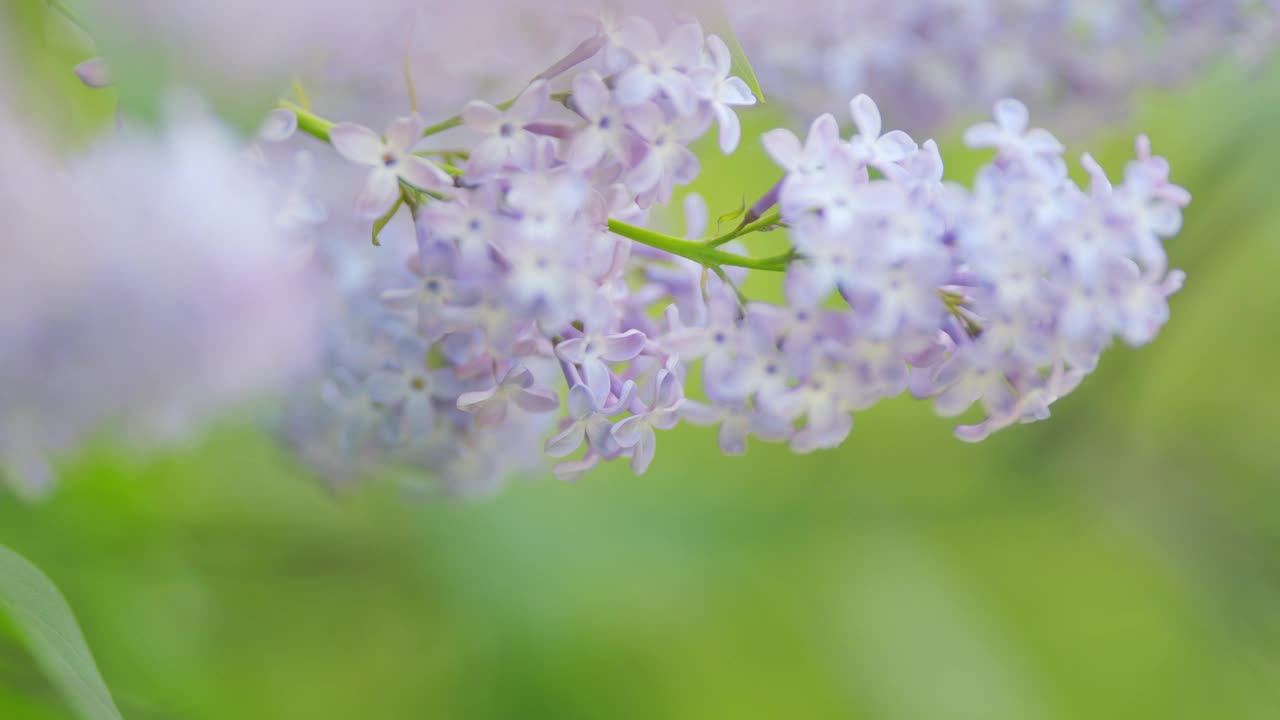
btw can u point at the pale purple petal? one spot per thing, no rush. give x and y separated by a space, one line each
984 135
357 143
379 194
566 441
685 44
895 146
279 125
635 86
620 348
783 146
536 400
590 94
597 377
642 452
481 117
630 430
530 102
572 350
721 60
735 91
476 401
487 158
732 438
419 415
422 173
866 116
386 387
1012 116
403 133
730 128
580 402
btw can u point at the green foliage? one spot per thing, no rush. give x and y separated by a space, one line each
43 619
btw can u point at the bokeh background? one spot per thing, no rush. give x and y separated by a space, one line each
1119 561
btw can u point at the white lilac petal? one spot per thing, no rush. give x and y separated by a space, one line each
481 117
422 173
357 143
379 193
279 125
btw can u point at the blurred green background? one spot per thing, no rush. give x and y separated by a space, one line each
1121 560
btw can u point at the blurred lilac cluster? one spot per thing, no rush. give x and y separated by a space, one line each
930 62
146 285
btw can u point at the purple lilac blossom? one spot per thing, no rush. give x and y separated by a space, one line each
521 327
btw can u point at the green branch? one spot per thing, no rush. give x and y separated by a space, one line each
703 253
769 220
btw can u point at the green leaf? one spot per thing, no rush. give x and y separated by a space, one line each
45 622
718 23
382 221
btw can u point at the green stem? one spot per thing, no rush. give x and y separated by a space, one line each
699 252
308 122
764 222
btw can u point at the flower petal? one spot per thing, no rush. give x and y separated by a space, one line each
279 125
357 143
620 348
379 193
422 173
536 400
404 132
866 116
481 117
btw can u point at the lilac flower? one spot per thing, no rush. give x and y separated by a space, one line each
723 92
667 161
505 138
636 433
869 145
411 387
659 67
392 161
605 130
737 422
594 349
1010 136
589 420
490 406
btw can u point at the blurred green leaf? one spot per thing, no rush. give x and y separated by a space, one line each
45 621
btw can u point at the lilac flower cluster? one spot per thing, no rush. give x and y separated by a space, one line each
931 62
146 286
529 285
515 285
